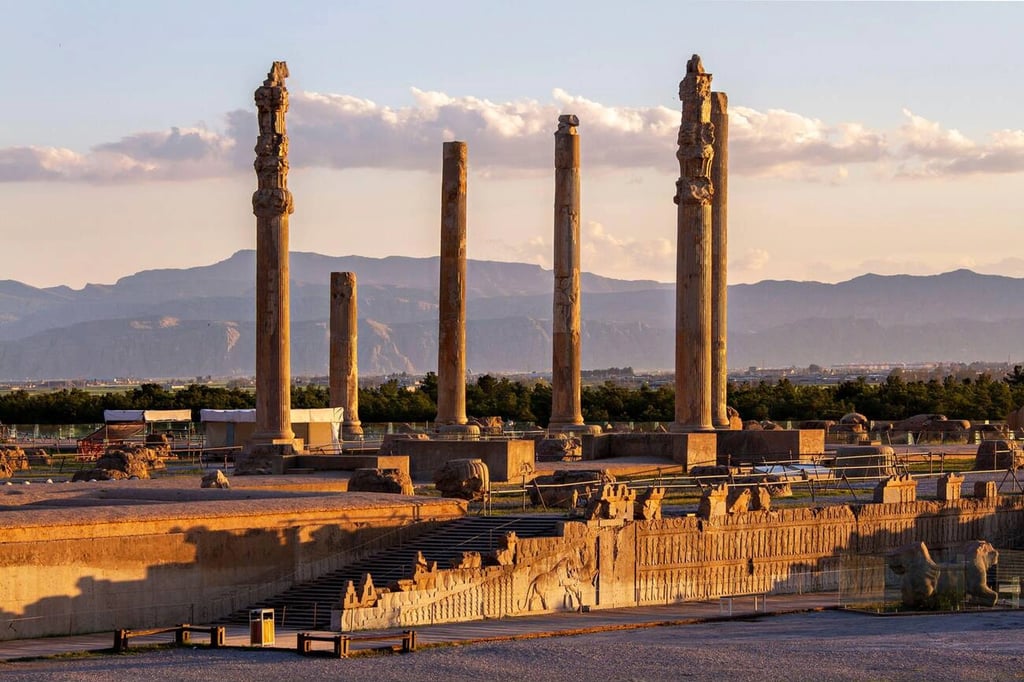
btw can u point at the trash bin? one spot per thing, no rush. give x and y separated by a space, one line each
261 627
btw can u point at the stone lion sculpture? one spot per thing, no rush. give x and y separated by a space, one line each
926 584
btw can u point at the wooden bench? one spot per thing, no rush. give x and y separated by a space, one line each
182 635
760 602
341 644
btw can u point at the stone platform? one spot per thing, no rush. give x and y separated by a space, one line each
135 554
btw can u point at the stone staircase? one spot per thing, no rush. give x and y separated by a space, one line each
307 606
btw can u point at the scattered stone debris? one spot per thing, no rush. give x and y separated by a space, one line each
215 479
392 442
561 447
999 454
371 480
467 479
12 460
562 488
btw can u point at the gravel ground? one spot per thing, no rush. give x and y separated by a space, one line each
815 646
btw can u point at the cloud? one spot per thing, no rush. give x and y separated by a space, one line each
748 263
513 138
616 256
782 143
929 150
177 154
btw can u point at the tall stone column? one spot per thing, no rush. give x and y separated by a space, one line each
693 252
719 260
272 204
344 348
451 334
566 410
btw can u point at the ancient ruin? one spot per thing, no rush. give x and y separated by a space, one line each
719 260
694 191
451 335
927 584
272 204
344 347
566 408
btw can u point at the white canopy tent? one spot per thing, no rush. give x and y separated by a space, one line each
146 416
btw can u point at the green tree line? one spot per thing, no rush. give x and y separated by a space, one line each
980 397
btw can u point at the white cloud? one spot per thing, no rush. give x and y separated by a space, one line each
929 150
177 154
782 143
617 256
748 263
515 137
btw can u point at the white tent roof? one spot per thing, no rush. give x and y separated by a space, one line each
147 415
327 415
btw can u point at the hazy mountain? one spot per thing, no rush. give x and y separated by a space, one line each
199 321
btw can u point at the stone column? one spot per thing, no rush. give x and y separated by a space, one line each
451 334
566 411
344 348
719 260
272 204
693 253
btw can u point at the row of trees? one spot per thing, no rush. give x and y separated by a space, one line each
981 397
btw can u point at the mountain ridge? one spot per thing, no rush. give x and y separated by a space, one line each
126 328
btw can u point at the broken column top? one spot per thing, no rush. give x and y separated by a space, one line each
278 72
454 149
696 85
567 124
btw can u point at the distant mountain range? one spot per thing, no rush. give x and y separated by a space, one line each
199 321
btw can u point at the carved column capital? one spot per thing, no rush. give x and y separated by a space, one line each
696 136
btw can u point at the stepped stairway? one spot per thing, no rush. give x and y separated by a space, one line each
307 606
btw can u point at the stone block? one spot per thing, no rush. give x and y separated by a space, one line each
714 501
505 459
865 461
694 449
986 490
758 447
949 487
896 489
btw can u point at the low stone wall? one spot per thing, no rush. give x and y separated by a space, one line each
91 568
757 447
687 449
603 564
505 459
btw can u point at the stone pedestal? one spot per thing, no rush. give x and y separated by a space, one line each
693 253
272 204
451 336
949 487
896 489
719 260
344 347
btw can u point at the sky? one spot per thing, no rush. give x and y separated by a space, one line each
864 137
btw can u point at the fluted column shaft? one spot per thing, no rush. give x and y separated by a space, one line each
451 337
344 348
720 261
566 409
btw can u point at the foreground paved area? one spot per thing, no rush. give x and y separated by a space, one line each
812 645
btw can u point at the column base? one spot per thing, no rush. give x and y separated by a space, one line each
266 456
459 431
575 429
680 427
351 431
